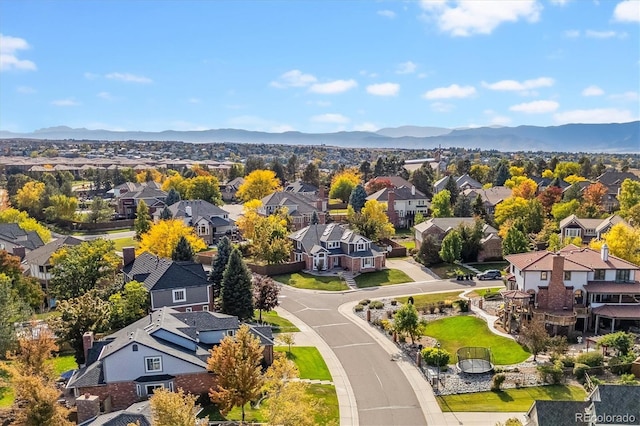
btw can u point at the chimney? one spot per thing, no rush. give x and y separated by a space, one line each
128 255
413 190
187 211
557 290
320 201
391 207
604 252
19 251
87 343
88 407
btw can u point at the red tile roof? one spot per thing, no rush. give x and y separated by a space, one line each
619 311
576 259
612 288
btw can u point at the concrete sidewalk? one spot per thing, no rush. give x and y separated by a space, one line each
413 269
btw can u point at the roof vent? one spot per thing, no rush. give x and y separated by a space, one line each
187 211
604 252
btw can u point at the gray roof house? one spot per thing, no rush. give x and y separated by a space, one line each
12 237
439 227
181 285
463 182
209 221
491 197
324 247
588 229
302 188
129 194
167 349
402 204
299 207
89 408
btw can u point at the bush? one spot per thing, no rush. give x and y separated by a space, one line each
579 371
376 304
497 382
365 302
621 364
551 373
359 308
462 304
394 302
435 357
386 325
432 308
592 359
628 379
568 361
389 313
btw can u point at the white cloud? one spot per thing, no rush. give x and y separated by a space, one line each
600 34
333 87
560 2
519 86
627 11
293 78
453 91
535 107
441 107
599 115
365 127
9 47
384 89
625 97
592 91
406 68
572 33
91 76
330 118
25 90
128 78
65 102
469 17
387 13
106 96
323 104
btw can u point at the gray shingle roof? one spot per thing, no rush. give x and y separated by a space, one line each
297 204
138 413
41 255
12 233
559 413
157 273
401 193
199 208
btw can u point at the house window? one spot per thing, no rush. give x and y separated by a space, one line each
572 232
230 333
360 247
623 275
202 230
567 275
188 309
134 348
152 364
367 262
205 307
598 275
544 275
151 388
138 390
578 297
179 295
298 257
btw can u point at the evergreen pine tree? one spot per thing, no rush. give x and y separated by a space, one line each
462 207
278 169
478 207
142 223
183 251
173 197
218 266
314 218
165 214
452 187
502 174
357 198
237 289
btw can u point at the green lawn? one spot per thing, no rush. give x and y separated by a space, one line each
6 397
408 244
448 270
422 300
312 282
509 399
64 363
277 323
125 242
483 266
308 360
383 277
459 331
486 291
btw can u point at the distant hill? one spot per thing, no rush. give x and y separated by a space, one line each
615 137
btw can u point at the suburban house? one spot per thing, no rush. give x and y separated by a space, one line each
166 349
37 263
323 247
129 194
462 182
182 285
578 288
587 229
613 181
229 189
605 405
209 221
299 207
439 227
17 241
302 188
402 204
491 197
88 407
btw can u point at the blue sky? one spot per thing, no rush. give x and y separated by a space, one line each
317 66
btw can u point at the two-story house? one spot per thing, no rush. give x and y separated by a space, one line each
17 241
229 189
612 180
324 247
587 229
491 197
166 349
578 287
182 285
302 188
208 220
402 204
462 182
129 194
299 207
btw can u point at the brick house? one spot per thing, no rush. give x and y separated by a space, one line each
168 349
182 285
402 204
578 287
129 194
324 247
491 197
299 207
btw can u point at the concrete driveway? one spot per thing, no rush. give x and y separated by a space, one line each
416 271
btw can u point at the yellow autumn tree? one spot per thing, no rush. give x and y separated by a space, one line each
29 197
623 242
258 184
163 237
343 183
175 409
526 189
149 175
177 182
268 234
25 222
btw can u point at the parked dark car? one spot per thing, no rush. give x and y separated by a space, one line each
489 274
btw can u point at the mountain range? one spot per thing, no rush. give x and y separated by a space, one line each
613 138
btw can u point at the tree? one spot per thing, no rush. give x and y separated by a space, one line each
481 173
165 214
163 237
79 315
560 211
429 253
278 169
311 174
451 247
78 269
235 171
25 222
257 185
365 170
406 320
525 188
343 183
100 211
38 401
142 223
510 208
621 341
376 184
218 266
265 293
372 222
292 168
237 294
478 208
514 242
175 409
236 365
29 198
549 197
357 198
471 237
128 305
61 207
566 168
14 309
423 178
287 339
535 337
21 288
453 189
34 353
314 218
173 197
441 204
592 201
462 207
182 251
293 405
268 235
205 188
501 174
252 164
629 196
623 241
